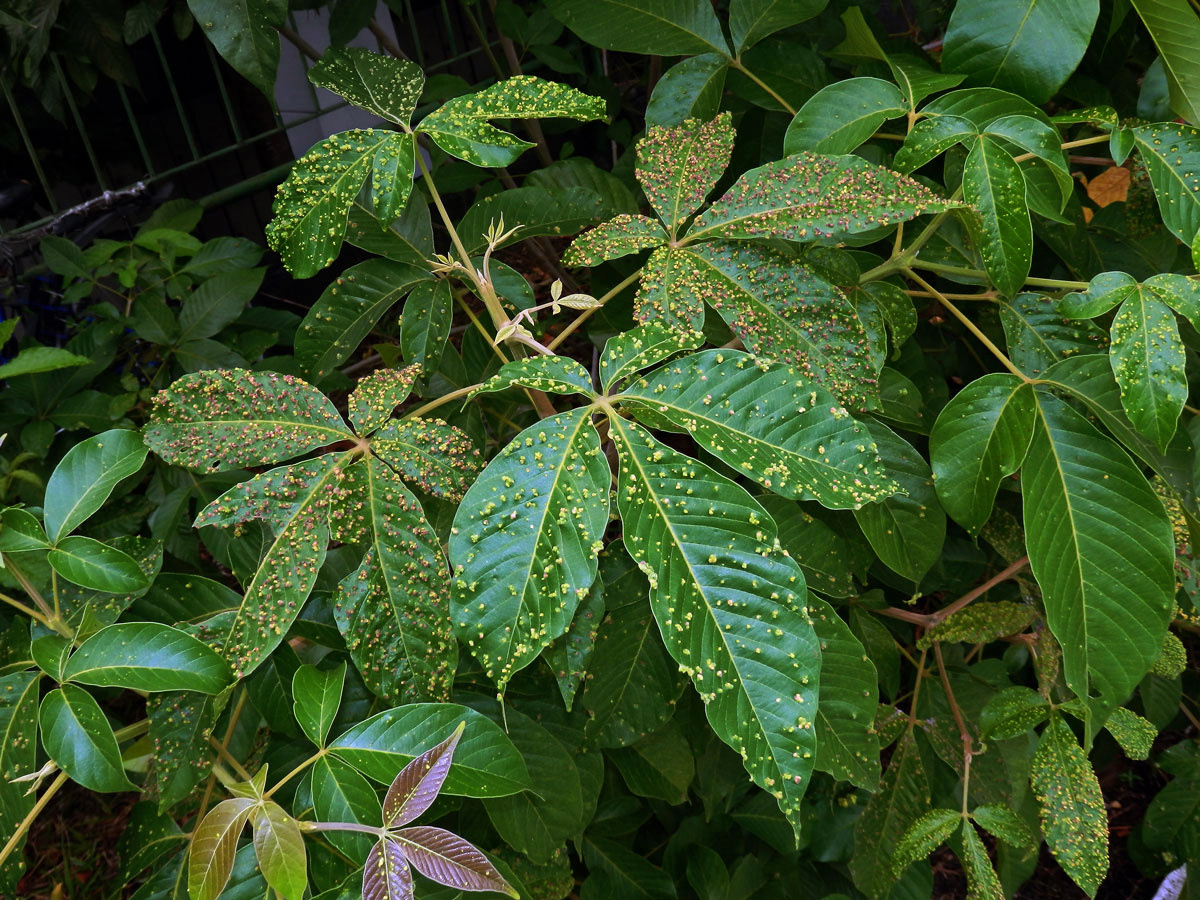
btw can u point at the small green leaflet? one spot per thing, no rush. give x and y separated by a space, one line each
18 756
843 115
619 236
461 125
994 185
425 324
767 422
717 578
380 84
807 196
317 695
980 436
376 397
86 477
552 374
279 848
1071 806
1172 156
930 137
214 844
1146 353
525 540
93 564
229 418
679 166
77 736
642 347
147 656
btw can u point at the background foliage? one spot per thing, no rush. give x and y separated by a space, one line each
836 359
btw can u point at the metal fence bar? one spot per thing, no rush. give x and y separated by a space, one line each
183 120
137 131
29 148
83 135
416 34
233 122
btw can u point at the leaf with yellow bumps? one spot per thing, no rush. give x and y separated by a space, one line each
642 347
1146 353
18 756
980 623
394 609
461 125
525 541
379 84
349 309
768 423
678 166
312 205
1172 155
429 454
619 236
227 418
730 606
671 290
1134 733
552 374
807 197
1071 806
982 881
376 397
924 836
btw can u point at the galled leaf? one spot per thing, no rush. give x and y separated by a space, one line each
619 236
768 423
677 167
552 374
642 347
1004 824
982 881
1038 335
980 623
1134 733
1172 156
525 540
180 725
380 84
425 324
1071 806
994 186
225 419
461 125
429 454
717 578
671 291
1012 711
376 397
806 197
18 757
924 836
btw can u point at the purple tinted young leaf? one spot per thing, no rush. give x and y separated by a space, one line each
448 859
213 847
386 875
418 783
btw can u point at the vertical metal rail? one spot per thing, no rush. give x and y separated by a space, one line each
79 126
233 122
136 129
29 148
183 120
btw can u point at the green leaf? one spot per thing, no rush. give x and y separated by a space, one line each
717 578
690 89
217 302
425 324
847 745
147 656
539 211
340 794
1030 48
843 115
1070 805
227 419
31 360
1005 824
77 736
980 437
538 822
930 137
243 32
807 197
394 609
1038 335
917 79
20 530
1135 734
924 836
382 85
632 685
660 766
376 397
787 313
982 881
525 540
461 125
641 347
679 166
902 798
1107 582
570 655
752 20
768 423
312 205
317 695
1146 352
180 726
1172 818
348 310
552 374
279 848
615 238
830 550
616 873
213 847
980 623
92 564
1034 136
296 501
1172 156
18 756
671 290
408 240
906 530
663 27
486 764
1175 31
994 185
86 477
1012 712
430 454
